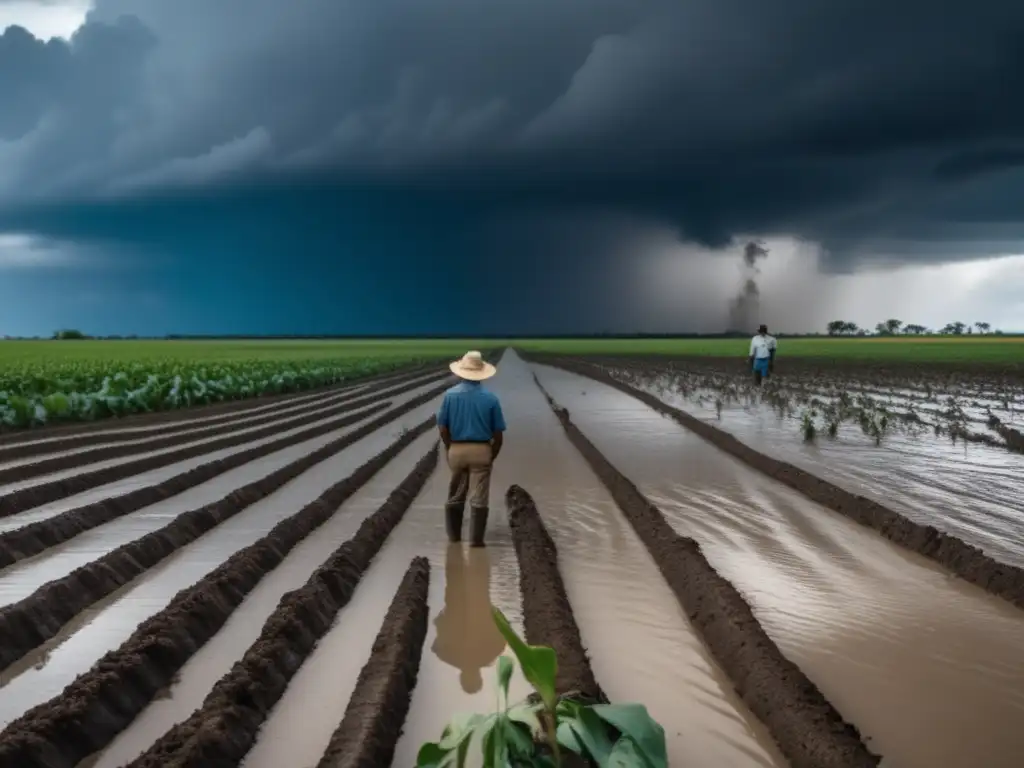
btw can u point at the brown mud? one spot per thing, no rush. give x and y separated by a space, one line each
144 443
99 704
30 622
46 440
376 712
806 727
547 614
223 730
43 493
37 537
964 560
10 436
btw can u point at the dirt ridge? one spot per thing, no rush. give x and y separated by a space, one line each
380 701
164 438
223 730
13 436
32 621
807 728
547 613
43 493
37 537
964 560
100 703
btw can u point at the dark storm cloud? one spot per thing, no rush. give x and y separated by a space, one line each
849 122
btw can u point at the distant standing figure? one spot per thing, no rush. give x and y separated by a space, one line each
471 425
762 354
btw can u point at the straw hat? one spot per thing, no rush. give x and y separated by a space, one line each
473 367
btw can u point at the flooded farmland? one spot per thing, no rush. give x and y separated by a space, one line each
231 600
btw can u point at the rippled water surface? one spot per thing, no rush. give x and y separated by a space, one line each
927 666
972 491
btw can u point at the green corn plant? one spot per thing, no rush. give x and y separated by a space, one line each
543 730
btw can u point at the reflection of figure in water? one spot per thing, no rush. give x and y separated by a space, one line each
466 635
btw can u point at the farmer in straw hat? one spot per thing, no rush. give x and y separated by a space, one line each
471 425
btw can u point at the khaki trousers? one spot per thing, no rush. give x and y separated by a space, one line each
470 464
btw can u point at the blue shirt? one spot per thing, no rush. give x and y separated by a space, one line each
471 413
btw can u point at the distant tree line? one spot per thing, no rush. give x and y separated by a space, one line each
894 327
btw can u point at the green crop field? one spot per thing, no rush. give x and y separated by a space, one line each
932 349
222 351
43 382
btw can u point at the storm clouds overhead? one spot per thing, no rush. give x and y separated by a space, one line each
457 166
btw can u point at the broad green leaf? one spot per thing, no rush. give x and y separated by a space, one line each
626 754
634 721
569 739
588 728
538 662
505 669
527 715
431 755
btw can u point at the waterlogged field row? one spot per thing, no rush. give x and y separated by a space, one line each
43 382
998 351
274 587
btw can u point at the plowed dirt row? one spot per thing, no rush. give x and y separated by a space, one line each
140 424
267 615
39 615
23 461
878 629
76 478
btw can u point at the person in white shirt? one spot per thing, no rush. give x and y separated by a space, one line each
762 354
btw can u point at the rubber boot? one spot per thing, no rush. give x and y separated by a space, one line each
453 523
478 527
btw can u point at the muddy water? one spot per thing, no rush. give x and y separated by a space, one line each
968 490
129 484
21 579
928 668
284 424
457 672
215 659
66 657
256 408
241 420
642 647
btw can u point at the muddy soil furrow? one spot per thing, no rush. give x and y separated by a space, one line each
547 614
140 422
26 497
369 731
68 481
224 728
103 701
36 537
97 448
966 561
808 730
350 638
28 623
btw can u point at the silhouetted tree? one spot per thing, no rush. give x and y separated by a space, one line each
983 327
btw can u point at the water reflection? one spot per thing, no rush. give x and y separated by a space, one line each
467 638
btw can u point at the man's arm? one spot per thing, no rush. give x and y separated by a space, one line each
771 353
750 356
442 423
497 429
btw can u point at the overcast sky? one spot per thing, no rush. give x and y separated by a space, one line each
540 165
